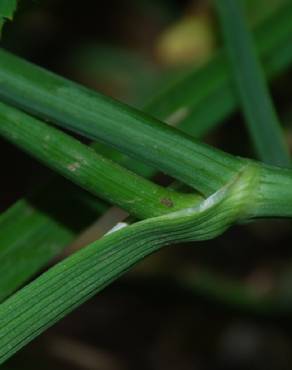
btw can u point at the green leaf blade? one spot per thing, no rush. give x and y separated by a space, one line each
257 104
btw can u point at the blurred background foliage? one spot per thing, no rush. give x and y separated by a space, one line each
165 314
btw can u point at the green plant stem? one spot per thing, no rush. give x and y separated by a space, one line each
232 292
129 130
35 90
208 98
65 286
272 195
203 97
80 164
256 102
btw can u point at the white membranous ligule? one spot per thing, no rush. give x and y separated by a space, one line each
228 205
214 214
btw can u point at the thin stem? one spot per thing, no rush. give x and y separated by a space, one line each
127 129
82 165
271 194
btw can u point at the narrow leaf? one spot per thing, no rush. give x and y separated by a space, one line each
256 102
36 229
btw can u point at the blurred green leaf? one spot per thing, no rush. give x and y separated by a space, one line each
260 115
7 9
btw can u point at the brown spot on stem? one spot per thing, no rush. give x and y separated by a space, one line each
167 202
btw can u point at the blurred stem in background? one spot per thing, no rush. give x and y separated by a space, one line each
260 115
